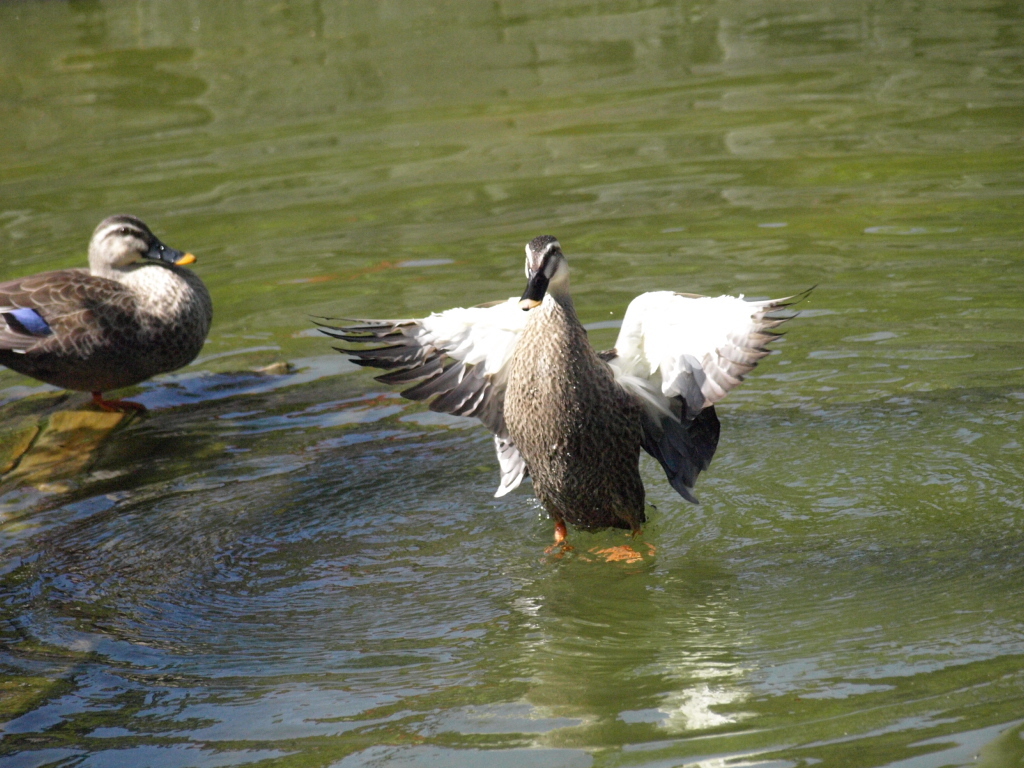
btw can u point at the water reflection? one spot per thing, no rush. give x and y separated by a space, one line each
631 648
353 577
250 567
63 447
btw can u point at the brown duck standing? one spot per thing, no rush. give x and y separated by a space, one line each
572 418
133 314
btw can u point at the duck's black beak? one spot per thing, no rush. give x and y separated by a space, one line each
160 252
535 290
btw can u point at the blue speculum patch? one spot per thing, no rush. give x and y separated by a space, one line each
27 320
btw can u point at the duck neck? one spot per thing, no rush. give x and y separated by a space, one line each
559 303
558 292
157 288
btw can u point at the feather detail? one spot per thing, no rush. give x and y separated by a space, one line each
458 357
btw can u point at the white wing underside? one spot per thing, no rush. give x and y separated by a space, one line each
513 467
692 347
484 335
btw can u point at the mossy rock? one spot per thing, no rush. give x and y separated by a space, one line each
15 440
41 438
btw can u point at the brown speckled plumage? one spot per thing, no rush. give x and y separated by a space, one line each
577 430
111 326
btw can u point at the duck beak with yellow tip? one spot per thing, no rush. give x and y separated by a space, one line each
535 290
160 252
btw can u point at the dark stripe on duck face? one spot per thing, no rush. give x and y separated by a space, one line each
27 321
124 226
550 258
126 219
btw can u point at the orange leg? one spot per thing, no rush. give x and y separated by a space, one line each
120 406
560 532
560 545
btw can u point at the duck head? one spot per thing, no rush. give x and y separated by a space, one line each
121 241
547 272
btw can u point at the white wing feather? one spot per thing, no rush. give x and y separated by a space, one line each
474 335
681 354
694 347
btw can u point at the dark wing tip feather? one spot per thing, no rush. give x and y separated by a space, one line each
789 301
431 367
395 345
367 338
448 378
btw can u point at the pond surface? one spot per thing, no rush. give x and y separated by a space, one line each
296 567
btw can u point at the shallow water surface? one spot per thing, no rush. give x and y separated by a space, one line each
296 567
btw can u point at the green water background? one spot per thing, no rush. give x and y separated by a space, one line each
306 570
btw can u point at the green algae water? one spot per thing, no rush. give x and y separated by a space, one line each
292 566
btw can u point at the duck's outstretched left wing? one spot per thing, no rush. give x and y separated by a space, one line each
459 357
680 354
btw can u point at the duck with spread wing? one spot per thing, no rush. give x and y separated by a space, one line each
570 417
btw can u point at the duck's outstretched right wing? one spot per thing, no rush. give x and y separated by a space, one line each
679 354
459 357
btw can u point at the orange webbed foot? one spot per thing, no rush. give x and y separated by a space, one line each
117 406
625 552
